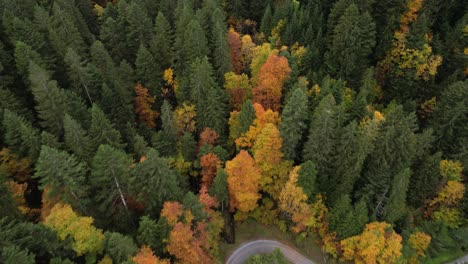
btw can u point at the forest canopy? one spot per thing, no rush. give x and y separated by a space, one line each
143 131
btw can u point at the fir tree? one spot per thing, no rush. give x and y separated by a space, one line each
161 45
63 175
307 176
76 139
154 234
20 136
154 182
50 99
102 131
148 71
221 59
219 189
293 125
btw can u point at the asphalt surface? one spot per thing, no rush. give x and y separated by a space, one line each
462 260
246 250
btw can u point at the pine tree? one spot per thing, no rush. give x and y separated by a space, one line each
63 175
162 44
154 182
50 99
293 125
102 131
76 139
209 99
109 183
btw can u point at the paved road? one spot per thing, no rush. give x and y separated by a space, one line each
246 250
462 260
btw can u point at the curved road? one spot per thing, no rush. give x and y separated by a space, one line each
246 250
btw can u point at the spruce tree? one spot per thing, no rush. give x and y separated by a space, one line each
195 43
139 28
321 143
165 140
23 55
345 60
81 76
20 136
221 59
50 99
154 234
294 123
102 131
266 23
51 141
76 139
188 146
209 99
246 116
63 176
154 182
162 44
306 179
148 70
396 204
219 189
109 184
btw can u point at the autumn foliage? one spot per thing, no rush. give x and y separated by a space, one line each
235 52
208 136
146 256
378 243
243 182
271 77
210 164
143 103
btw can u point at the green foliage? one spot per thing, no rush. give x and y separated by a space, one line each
119 247
307 178
294 123
76 138
276 257
219 189
20 136
161 44
13 254
102 131
153 233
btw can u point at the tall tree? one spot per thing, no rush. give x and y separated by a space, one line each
165 140
220 56
148 71
76 139
162 44
109 182
102 131
293 125
243 181
50 99
20 136
209 99
154 182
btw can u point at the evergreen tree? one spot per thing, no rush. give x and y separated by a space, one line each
63 176
209 99
49 140
165 140
76 139
221 57
423 182
148 71
154 234
24 54
81 76
306 179
162 44
195 43
450 121
293 125
345 220
9 101
20 136
355 144
109 184
219 189
50 99
246 116
322 140
394 151
7 203
139 28
154 182
102 131
119 247
188 146
184 17
346 60
13 254
103 62
396 204
266 23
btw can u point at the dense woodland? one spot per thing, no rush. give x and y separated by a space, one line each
143 131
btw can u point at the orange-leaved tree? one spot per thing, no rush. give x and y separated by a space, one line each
209 164
269 88
419 241
146 256
243 182
235 51
143 103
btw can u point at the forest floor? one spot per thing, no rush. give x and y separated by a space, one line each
251 230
